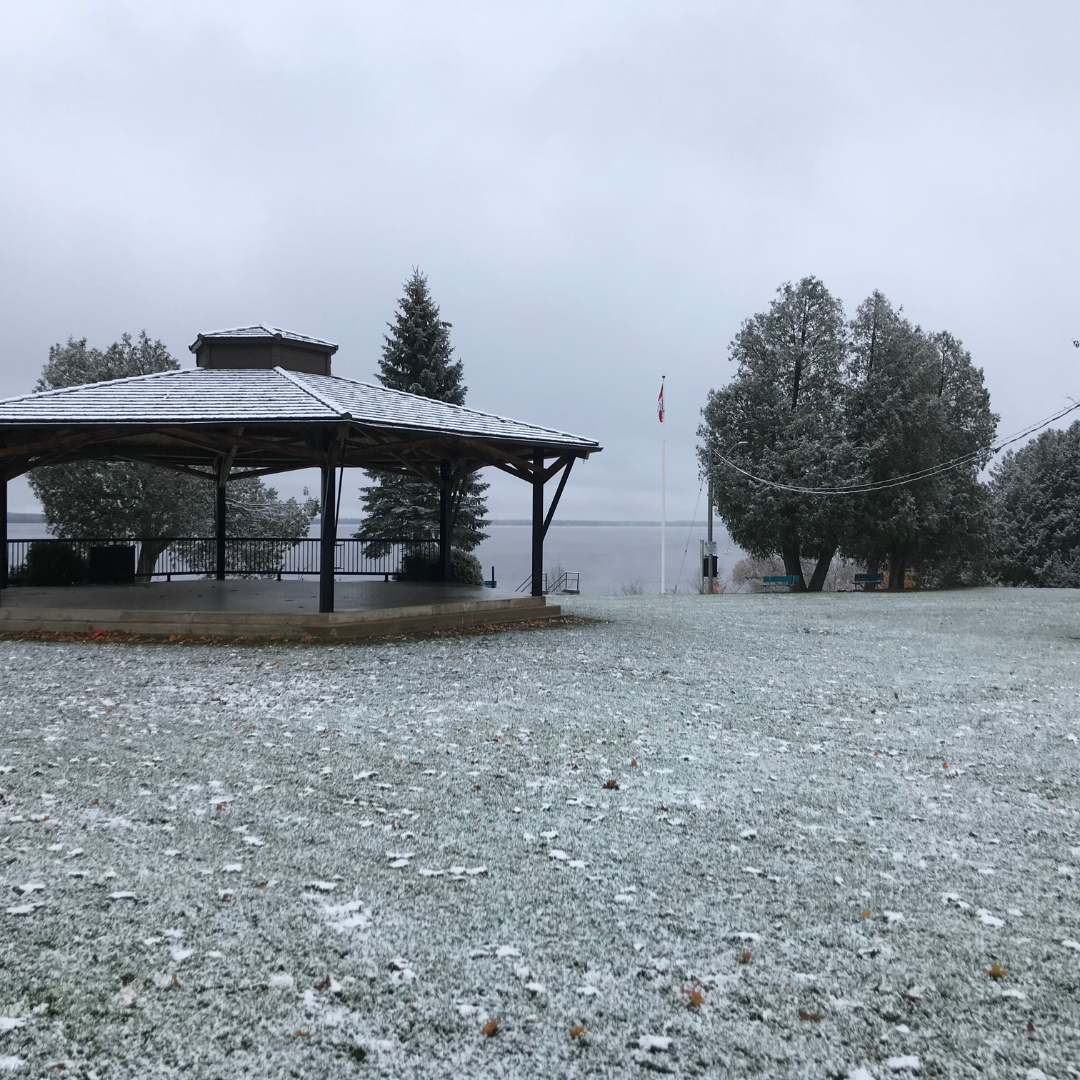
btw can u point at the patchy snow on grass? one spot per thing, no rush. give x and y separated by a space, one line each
840 827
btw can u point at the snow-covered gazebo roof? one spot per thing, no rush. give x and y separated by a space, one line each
275 419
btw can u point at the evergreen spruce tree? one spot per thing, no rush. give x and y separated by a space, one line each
418 358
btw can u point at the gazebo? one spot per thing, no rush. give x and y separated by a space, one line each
261 401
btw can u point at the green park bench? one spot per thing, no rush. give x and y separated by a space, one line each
780 579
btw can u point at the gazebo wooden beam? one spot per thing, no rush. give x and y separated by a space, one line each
69 438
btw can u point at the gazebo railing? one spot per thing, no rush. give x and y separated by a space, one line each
196 556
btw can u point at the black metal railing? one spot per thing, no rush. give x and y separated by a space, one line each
34 561
568 581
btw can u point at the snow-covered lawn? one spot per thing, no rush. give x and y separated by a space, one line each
844 836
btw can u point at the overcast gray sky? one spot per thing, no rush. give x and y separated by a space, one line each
599 191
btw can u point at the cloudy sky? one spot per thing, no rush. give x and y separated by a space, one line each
599 191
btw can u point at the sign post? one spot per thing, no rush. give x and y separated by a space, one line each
711 544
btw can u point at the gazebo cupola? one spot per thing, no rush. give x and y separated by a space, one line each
263 346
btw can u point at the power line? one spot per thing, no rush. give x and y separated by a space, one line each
690 534
906 478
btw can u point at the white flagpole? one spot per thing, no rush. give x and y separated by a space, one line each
663 493
663 512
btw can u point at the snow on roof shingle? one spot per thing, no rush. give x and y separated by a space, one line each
256 395
260 330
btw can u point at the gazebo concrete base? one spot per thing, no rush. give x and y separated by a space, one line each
262 609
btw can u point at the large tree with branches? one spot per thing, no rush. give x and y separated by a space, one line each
782 418
132 498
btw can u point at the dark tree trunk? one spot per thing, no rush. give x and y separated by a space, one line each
897 570
793 565
821 571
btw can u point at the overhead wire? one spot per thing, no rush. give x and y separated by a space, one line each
905 478
690 534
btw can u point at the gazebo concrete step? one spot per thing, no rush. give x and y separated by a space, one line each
339 625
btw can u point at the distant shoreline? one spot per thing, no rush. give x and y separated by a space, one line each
597 524
39 519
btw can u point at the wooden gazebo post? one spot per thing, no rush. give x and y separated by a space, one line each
220 528
446 501
328 529
538 526
3 531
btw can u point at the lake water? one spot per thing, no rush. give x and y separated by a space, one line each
609 558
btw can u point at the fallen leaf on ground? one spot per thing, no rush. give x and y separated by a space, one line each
813 1018
324 985
997 972
745 958
612 785
298 1034
577 1032
490 1027
866 913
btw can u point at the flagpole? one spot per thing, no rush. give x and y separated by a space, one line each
663 493
663 512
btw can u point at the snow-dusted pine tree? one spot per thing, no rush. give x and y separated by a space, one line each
419 359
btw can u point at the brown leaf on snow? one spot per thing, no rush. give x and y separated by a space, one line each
476 787
809 1017
696 998
261 885
612 785
324 985
220 806
746 958
633 762
490 1027
866 913
298 1034
175 981
577 1032
997 972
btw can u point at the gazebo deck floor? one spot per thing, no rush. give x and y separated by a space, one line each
260 608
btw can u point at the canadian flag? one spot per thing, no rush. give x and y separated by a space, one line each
660 403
